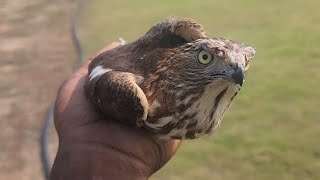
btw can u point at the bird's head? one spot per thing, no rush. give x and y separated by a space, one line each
202 60
193 83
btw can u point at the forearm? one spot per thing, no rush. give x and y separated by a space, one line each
94 163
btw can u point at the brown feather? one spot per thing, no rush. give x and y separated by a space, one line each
160 75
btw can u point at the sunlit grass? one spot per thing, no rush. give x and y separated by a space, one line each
272 130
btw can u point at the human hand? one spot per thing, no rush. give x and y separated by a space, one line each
91 147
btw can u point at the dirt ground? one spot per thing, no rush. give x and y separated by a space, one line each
36 56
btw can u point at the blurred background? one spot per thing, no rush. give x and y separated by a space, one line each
271 131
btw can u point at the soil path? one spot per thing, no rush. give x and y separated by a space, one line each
36 55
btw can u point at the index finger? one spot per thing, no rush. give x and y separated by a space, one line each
84 68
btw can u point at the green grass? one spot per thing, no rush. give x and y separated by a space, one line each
272 130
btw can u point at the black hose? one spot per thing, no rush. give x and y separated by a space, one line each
74 35
48 121
44 139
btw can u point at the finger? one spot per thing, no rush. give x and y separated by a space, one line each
106 48
83 70
166 151
72 108
175 144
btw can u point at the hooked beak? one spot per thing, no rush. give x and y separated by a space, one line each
233 74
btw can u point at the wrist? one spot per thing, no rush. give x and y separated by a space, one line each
95 162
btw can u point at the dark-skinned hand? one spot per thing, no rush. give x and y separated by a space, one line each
93 148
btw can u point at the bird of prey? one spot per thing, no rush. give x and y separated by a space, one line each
174 81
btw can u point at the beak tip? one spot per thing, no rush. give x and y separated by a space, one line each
237 75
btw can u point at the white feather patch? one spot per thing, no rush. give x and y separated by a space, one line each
204 104
98 71
155 104
177 132
122 41
160 123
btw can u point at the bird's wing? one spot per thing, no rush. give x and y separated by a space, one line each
118 95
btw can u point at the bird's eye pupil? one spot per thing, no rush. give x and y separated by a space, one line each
205 56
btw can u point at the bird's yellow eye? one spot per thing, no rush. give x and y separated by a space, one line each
204 57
